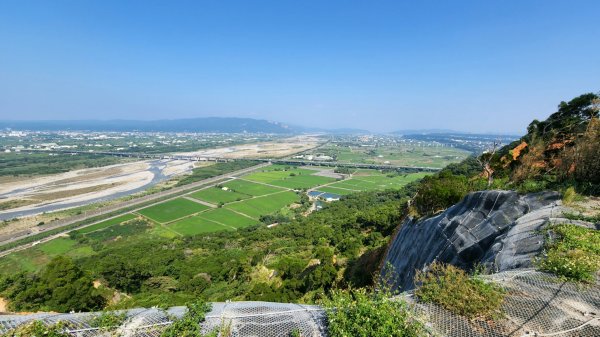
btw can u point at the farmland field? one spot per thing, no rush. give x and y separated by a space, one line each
369 180
217 195
264 205
250 188
57 246
197 225
172 210
335 190
278 172
289 177
120 231
244 204
34 258
303 181
402 153
228 217
107 223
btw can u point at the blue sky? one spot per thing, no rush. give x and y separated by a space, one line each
479 66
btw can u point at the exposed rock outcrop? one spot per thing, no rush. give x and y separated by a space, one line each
499 229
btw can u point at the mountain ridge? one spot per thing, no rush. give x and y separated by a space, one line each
200 124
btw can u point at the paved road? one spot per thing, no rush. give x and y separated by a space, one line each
173 193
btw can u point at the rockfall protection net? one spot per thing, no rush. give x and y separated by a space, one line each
243 319
537 304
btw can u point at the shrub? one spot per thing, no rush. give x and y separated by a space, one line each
189 324
107 320
570 196
436 193
453 289
574 252
532 186
364 313
38 329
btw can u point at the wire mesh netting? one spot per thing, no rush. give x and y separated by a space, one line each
238 318
267 319
537 304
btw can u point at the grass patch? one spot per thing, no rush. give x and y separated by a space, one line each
172 209
570 196
57 246
364 313
453 289
572 252
217 195
15 203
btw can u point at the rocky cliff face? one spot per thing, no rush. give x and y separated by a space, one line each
499 229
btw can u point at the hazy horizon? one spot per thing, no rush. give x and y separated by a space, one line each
467 66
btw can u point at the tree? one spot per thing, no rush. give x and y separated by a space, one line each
61 286
485 159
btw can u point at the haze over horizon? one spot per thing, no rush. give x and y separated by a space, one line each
467 66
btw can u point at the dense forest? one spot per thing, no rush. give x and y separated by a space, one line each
303 258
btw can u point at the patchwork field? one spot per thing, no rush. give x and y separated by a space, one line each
369 180
289 177
278 172
302 182
211 221
428 154
229 218
217 195
244 202
250 188
172 210
256 207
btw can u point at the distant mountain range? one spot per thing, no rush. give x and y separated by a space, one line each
206 124
203 124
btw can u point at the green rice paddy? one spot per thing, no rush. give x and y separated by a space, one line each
256 207
217 195
172 210
250 188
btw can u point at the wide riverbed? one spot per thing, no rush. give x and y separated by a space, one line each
155 168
